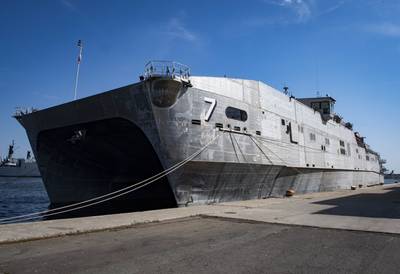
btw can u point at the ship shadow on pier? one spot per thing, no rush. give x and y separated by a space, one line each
373 205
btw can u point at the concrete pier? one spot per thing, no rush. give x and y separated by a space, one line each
344 231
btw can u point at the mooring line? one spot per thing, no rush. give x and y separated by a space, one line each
124 191
283 161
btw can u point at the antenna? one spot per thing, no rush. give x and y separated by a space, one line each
80 46
317 78
285 90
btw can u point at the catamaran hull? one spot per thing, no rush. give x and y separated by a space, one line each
100 144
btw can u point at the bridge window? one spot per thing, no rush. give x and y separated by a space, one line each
315 106
325 106
235 113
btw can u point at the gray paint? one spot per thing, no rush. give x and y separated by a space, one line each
239 165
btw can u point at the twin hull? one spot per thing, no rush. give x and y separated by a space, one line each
99 144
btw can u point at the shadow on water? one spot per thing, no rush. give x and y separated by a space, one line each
21 196
374 205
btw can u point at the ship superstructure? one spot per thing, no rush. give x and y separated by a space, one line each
265 141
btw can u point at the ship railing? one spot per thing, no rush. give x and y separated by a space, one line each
23 111
169 69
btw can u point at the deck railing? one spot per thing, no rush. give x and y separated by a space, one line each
166 69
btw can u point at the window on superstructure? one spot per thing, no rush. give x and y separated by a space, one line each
341 143
312 137
315 106
327 141
367 157
283 122
325 106
342 151
235 113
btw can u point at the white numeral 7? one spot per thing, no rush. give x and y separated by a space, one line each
213 103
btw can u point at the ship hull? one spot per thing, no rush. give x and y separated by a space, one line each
213 182
100 144
25 169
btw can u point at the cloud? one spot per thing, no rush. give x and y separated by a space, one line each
332 8
174 36
385 29
295 11
176 29
68 4
301 8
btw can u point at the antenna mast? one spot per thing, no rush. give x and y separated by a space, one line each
317 78
80 46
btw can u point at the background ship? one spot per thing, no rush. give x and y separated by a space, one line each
13 167
266 142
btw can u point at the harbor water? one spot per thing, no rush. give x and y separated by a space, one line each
22 196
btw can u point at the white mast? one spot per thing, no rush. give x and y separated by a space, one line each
77 69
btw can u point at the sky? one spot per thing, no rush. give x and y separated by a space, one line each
349 49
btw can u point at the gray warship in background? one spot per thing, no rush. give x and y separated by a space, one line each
12 167
266 142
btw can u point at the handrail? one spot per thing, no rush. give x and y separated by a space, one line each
19 111
159 68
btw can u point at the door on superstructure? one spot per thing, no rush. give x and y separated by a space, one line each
294 132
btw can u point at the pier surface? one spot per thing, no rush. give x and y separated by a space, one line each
344 231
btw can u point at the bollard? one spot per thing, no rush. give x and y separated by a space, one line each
290 192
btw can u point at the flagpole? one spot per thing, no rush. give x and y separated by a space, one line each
77 69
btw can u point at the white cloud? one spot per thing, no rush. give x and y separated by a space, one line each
301 8
385 28
176 29
69 5
332 8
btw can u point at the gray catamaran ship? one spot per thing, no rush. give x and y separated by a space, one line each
18 167
265 141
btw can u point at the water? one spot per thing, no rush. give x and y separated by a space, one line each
20 196
391 181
